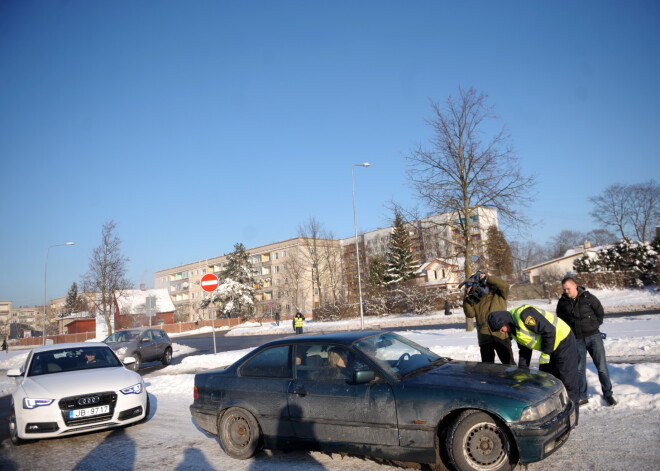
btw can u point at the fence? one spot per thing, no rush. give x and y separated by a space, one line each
175 328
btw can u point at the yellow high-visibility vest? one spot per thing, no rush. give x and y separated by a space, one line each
532 340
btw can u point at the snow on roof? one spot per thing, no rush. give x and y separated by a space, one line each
133 301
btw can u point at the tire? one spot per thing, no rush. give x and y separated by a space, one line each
138 361
239 433
478 442
147 409
13 430
166 359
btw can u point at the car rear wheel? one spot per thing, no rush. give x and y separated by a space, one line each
138 361
478 442
167 356
239 433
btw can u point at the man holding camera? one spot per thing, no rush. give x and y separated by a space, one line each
483 295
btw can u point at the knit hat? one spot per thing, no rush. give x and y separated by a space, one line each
498 319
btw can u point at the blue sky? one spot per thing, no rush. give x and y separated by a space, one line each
196 125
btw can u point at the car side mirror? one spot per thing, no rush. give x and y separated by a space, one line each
128 360
144 339
14 373
362 377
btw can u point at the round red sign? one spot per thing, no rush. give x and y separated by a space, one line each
209 282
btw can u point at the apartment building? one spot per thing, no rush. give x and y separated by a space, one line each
284 273
300 273
435 237
5 315
25 321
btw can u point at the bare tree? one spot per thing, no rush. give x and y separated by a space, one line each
611 207
629 208
464 170
106 274
565 240
645 208
331 267
292 290
526 254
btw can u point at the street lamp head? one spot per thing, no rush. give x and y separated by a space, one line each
366 164
70 243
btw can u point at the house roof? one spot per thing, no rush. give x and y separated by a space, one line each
575 252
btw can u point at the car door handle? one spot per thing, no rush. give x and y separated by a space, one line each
300 392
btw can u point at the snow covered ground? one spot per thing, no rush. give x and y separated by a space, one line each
609 438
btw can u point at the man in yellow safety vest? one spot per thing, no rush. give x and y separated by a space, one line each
537 329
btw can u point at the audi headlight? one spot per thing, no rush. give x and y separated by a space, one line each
135 389
33 403
121 351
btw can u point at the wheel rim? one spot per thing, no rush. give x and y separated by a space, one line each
239 430
485 446
168 355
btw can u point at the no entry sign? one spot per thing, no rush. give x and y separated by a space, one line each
209 282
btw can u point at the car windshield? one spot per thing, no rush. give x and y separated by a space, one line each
123 336
397 355
71 359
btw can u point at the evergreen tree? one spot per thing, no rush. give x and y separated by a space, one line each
498 253
71 302
401 264
377 268
236 293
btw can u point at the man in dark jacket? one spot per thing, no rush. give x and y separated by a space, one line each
494 292
583 312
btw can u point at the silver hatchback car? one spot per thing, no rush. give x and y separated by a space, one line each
143 344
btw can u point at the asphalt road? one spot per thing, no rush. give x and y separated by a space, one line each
203 343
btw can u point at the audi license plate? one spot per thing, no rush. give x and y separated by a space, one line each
79 413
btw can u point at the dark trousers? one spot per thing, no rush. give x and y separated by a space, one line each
564 365
500 346
299 330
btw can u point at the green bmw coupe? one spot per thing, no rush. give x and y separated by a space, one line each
380 394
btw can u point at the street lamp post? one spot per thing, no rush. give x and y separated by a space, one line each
45 277
357 245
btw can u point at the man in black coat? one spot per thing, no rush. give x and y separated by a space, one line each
583 312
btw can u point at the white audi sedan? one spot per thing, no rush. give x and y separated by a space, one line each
71 388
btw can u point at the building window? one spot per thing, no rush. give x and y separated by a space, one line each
277 268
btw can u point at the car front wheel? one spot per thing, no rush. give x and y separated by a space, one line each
167 356
138 361
13 430
239 433
478 442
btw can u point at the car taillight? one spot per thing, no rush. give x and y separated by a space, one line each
195 393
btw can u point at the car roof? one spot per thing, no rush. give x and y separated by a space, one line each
342 338
59 346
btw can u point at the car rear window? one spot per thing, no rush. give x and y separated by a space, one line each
271 363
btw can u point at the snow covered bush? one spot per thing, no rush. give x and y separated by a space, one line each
637 259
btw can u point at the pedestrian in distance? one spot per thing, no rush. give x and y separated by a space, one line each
538 329
4 345
485 294
298 322
277 318
584 313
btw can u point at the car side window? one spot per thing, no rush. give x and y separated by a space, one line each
323 362
271 363
157 334
148 335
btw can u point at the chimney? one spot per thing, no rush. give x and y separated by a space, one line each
587 245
